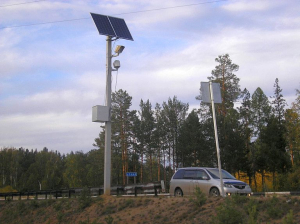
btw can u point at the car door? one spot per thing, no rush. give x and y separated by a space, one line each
202 181
187 182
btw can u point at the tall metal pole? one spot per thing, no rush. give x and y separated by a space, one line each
216 136
107 154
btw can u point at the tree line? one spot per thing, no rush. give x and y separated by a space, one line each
258 136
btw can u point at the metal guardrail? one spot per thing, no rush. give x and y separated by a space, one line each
135 189
47 194
275 193
129 190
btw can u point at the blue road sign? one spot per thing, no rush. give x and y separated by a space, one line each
131 174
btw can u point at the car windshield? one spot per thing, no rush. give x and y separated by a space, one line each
215 174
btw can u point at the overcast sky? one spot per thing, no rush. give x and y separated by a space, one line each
52 74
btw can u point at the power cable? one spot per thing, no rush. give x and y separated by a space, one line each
22 3
172 7
116 80
36 24
141 11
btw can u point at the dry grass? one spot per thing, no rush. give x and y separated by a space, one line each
139 210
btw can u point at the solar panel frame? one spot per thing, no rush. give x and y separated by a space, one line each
120 28
111 26
103 25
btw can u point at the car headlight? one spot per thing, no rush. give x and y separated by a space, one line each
228 185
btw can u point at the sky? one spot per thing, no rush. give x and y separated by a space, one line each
52 59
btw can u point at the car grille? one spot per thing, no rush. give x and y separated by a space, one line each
239 186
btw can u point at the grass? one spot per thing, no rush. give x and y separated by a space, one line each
235 209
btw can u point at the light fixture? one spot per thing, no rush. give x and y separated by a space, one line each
119 49
116 64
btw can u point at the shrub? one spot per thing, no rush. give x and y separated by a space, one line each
109 219
252 211
57 206
239 199
228 212
199 198
274 209
7 189
21 208
34 204
60 217
85 199
129 203
288 219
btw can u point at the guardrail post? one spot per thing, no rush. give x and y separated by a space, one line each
135 191
155 191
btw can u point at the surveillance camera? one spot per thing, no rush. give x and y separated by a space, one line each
116 64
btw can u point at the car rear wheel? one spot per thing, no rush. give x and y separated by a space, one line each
214 192
178 192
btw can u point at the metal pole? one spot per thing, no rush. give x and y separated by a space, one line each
107 156
216 137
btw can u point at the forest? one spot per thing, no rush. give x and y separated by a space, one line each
259 138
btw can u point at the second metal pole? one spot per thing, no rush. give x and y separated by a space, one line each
216 137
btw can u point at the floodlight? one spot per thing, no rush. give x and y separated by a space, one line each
119 49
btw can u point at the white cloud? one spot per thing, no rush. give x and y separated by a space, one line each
57 131
238 6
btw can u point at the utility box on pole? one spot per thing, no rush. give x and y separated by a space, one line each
100 113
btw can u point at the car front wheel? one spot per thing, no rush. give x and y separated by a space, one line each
214 192
178 192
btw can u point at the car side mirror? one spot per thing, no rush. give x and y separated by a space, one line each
205 178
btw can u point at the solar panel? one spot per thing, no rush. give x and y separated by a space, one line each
103 25
111 26
120 28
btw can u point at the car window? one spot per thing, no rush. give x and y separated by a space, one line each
189 174
178 174
201 175
215 174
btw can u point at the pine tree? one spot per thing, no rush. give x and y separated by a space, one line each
260 111
147 127
292 135
174 113
278 103
192 149
230 88
122 122
247 132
